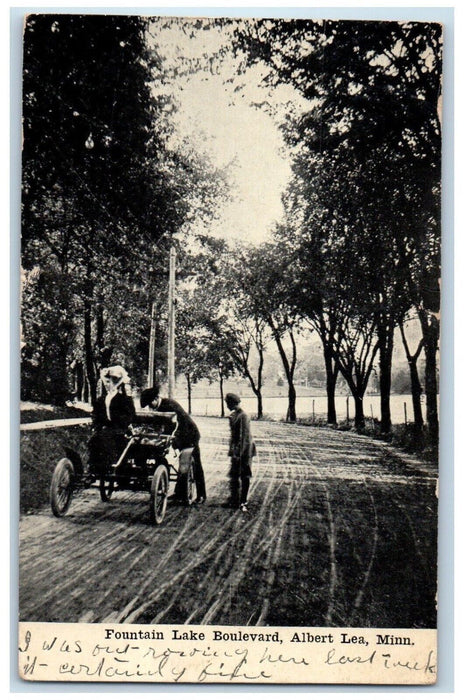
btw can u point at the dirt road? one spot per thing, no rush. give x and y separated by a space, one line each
341 532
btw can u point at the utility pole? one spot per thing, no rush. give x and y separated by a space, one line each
171 322
151 351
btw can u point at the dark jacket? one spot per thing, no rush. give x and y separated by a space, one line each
122 412
241 448
187 433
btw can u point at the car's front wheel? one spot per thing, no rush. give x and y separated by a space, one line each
62 486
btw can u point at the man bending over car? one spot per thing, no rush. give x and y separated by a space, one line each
187 436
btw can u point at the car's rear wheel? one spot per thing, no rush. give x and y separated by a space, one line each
62 486
159 494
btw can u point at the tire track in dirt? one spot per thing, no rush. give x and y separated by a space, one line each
184 574
274 553
375 538
416 542
388 497
383 479
211 566
200 535
109 542
237 573
293 478
336 577
197 535
331 541
131 613
113 543
223 563
222 558
185 536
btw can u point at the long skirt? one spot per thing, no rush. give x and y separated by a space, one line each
105 448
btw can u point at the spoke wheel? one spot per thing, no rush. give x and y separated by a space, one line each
61 489
159 494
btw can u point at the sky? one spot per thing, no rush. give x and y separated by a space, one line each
233 132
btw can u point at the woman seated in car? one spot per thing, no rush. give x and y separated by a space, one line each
112 414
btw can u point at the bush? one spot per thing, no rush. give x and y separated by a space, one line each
406 437
40 450
319 421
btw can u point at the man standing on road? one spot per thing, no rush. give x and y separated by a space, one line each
187 435
242 449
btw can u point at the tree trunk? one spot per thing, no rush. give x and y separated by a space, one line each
356 372
260 383
241 360
89 359
256 387
385 335
189 392
79 380
326 333
359 420
85 389
430 330
431 392
57 349
416 389
291 412
221 390
330 383
99 330
59 374
289 368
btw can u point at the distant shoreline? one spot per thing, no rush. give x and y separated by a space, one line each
200 397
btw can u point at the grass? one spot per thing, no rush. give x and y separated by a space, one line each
405 437
40 413
410 440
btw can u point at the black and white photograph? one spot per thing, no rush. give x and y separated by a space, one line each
230 341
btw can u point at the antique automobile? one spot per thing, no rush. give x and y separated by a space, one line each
147 463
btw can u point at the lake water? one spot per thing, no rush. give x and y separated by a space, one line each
306 406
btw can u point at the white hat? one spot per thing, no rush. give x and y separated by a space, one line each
116 372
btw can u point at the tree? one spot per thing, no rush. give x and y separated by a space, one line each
332 248
269 281
102 188
246 335
200 353
372 91
44 350
87 199
236 323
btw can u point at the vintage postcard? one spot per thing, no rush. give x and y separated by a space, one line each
230 316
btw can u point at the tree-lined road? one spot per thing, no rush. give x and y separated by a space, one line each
340 532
